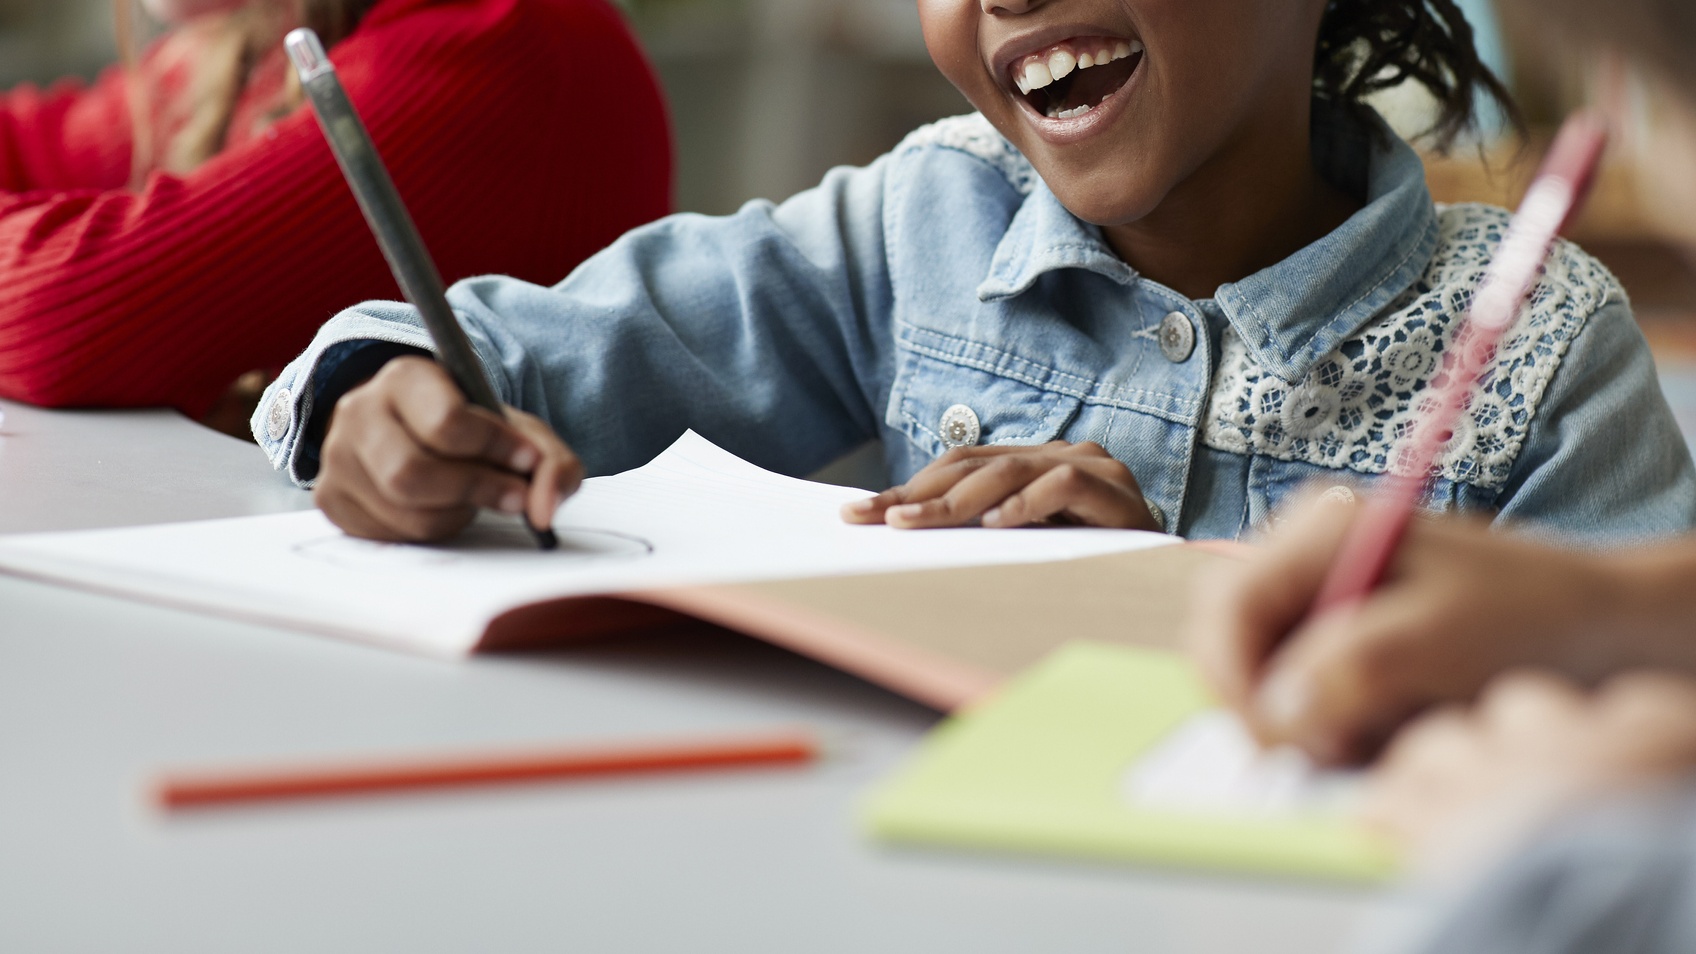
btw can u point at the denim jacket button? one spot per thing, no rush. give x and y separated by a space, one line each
277 419
1177 337
1155 512
960 427
1338 495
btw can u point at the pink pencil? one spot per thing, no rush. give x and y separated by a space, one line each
1555 196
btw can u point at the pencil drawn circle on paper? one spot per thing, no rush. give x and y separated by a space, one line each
482 542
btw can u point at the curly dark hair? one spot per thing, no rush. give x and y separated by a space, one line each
1370 45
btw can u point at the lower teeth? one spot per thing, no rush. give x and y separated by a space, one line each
1068 113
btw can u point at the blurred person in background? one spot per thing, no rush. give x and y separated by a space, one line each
1558 801
180 224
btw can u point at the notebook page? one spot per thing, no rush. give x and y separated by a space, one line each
696 514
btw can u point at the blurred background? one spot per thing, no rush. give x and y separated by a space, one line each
766 95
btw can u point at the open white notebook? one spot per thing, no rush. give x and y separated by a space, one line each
695 515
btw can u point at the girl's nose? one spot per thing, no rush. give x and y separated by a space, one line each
1009 7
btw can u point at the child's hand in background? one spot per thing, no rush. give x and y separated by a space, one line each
406 457
1458 786
1459 605
1061 483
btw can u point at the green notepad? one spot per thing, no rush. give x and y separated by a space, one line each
1040 768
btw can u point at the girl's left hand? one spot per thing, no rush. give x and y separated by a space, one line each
1056 483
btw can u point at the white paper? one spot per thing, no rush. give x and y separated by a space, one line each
696 514
1212 765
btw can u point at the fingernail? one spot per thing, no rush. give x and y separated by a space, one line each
992 517
1284 699
524 459
512 502
905 512
862 506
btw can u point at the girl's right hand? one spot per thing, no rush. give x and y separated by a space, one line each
407 458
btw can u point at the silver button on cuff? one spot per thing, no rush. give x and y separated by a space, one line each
960 427
277 419
1177 337
1155 512
1338 494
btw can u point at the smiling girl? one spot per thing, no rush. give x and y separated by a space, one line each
1173 269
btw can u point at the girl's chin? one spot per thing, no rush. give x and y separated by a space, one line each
1109 211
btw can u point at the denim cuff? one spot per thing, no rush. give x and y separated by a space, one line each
344 366
348 350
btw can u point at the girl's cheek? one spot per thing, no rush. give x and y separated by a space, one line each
951 38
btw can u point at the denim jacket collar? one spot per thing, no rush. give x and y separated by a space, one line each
1295 312
1043 237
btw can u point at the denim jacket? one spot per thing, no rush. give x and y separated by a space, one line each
943 296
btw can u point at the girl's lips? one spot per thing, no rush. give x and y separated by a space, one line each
1063 129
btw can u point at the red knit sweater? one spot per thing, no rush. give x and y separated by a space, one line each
524 135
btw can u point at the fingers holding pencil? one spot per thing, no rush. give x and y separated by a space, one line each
557 473
407 458
1459 604
1244 611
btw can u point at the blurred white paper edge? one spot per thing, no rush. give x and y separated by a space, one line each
1212 765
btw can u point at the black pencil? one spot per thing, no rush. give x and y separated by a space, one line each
402 246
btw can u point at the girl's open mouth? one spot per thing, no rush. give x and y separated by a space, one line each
1068 79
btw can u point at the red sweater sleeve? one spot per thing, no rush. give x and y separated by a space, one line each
68 136
496 120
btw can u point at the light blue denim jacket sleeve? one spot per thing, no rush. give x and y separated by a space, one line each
1604 449
766 331
943 296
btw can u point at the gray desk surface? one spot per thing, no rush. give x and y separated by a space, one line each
96 695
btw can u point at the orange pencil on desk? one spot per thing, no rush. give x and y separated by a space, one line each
1555 196
201 790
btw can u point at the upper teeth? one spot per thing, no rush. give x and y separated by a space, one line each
1040 71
